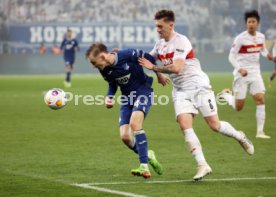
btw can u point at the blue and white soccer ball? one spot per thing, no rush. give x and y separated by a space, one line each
55 98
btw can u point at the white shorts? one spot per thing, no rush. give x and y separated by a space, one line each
192 101
254 83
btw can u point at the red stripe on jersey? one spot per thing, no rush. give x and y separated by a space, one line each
251 48
165 56
190 55
170 55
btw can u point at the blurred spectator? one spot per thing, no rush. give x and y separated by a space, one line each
42 49
209 22
55 49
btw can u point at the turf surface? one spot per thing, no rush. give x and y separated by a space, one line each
43 152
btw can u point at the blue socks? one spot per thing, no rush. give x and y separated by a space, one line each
141 145
68 76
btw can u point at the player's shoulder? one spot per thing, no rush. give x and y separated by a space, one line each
242 35
125 52
179 36
259 34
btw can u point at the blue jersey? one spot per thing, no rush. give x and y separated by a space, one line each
126 73
69 47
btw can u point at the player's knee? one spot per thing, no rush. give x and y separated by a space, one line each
260 100
135 126
125 138
239 107
183 126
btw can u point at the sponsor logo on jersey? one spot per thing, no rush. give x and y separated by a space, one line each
180 50
123 80
256 48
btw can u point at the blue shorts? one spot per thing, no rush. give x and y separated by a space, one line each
69 62
141 103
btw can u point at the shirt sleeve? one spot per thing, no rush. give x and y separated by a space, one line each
62 45
76 44
233 53
112 89
136 53
112 86
182 48
264 50
153 52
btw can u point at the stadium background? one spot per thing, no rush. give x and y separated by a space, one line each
210 25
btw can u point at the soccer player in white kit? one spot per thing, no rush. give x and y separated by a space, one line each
245 58
191 89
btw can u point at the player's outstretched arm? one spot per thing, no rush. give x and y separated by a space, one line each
175 67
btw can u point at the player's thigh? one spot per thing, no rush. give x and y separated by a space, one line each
141 107
136 120
183 103
69 65
125 114
240 88
257 86
206 103
185 121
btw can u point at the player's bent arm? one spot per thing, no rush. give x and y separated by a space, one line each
175 67
233 60
112 89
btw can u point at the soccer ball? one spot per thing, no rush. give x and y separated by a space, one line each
55 98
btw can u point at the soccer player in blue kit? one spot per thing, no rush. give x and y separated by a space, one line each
121 68
69 45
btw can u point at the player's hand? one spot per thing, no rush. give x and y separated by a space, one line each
270 57
162 79
145 63
243 72
115 49
108 102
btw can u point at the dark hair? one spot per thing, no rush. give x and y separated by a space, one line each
167 15
96 49
69 30
252 14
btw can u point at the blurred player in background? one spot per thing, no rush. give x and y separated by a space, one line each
121 68
191 89
69 46
274 56
245 58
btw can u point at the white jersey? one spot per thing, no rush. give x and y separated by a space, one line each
245 52
179 47
274 49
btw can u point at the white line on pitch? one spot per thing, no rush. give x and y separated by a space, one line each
88 186
180 181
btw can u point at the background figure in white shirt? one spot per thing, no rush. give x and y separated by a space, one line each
245 57
192 91
273 74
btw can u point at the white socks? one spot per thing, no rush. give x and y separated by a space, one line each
260 116
228 130
194 146
230 99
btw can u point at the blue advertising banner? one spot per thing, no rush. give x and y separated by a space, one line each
135 35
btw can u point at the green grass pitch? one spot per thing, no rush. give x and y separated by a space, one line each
43 152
